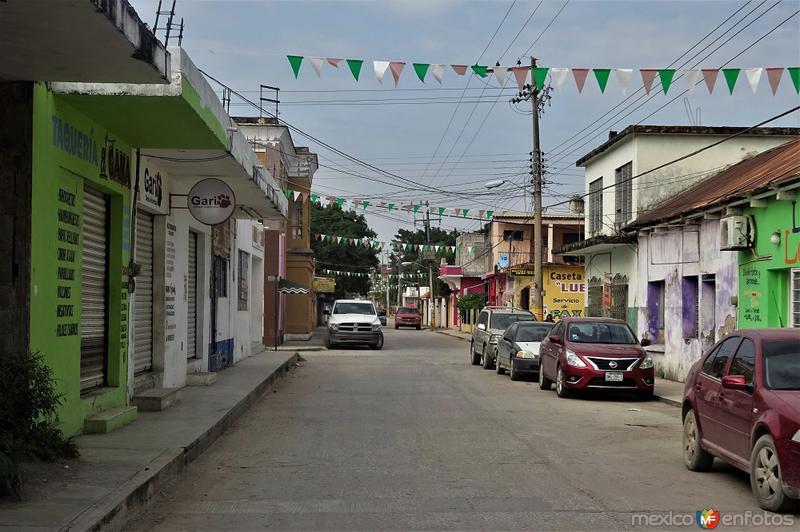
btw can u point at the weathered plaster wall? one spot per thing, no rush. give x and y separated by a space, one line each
246 334
621 259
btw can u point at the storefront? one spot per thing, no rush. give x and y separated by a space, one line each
564 289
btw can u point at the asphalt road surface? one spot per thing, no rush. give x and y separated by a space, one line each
415 438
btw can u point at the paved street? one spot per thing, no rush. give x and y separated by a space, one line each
413 437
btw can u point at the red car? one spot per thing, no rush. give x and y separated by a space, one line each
595 353
742 404
407 317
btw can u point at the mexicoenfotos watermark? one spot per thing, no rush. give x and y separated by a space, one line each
708 519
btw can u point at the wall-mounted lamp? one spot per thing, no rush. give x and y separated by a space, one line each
775 238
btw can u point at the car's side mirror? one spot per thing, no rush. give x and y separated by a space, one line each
554 339
326 312
644 342
481 326
735 382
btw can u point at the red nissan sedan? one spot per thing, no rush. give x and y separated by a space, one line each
595 353
742 404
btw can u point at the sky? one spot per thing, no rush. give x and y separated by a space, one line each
456 136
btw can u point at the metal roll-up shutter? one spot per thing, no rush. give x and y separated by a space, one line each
143 295
94 289
191 287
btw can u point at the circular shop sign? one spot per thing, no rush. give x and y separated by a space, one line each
211 201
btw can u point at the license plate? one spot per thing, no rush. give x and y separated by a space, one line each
614 376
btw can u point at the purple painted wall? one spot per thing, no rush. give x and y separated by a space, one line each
653 301
689 298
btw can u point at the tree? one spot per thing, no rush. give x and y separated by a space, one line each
332 220
439 236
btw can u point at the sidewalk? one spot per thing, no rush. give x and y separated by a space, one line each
316 343
119 472
667 391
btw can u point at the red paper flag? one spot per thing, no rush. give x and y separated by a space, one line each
774 76
580 77
648 76
521 75
460 69
396 67
710 76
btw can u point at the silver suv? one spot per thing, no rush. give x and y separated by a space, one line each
492 321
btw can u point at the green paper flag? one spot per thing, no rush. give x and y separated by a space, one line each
480 70
390 206
314 198
365 203
340 202
666 75
602 77
794 73
539 75
489 214
464 212
288 193
441 210
731 75
426 247
421 69
415 208
295 61
355 67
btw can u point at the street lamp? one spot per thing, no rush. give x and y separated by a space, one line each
495 183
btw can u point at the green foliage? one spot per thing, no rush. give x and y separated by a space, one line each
28 421
469 302
332 220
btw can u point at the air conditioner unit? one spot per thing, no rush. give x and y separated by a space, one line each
735 233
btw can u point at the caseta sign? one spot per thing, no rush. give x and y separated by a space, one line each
211 201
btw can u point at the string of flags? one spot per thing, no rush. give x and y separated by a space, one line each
381 245
559 75
343 273
410 207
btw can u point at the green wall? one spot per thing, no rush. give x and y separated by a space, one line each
764 271
68 150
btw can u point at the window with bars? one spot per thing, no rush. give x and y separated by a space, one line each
794 297
596 206
623 198
691 306
244 267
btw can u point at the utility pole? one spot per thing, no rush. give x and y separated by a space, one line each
538 303
430 264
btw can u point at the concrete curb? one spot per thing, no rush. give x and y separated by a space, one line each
112 511
451 335
668 401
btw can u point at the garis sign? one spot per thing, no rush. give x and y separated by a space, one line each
211 201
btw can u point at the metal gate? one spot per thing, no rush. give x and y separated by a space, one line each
94 289
619 297
143 295
191 287
595 304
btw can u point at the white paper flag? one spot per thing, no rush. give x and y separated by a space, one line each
559 76
624 78
316 62
500 73
380 69
297 194
753 76
437 71
692 76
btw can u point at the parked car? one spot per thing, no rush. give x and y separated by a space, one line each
407 317
518 348
742 404
353 321
491 323
595 353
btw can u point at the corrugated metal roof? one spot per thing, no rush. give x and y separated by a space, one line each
770 167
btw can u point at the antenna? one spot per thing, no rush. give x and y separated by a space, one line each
261 98
169 25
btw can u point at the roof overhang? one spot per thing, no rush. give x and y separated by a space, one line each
185 127
78 40
596 244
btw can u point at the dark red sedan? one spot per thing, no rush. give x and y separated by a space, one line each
595 353
742 404
407 317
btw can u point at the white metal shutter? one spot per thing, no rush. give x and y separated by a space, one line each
143 295
94 287
191 287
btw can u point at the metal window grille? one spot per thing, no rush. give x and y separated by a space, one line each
794 297
623 198
596 206
244 267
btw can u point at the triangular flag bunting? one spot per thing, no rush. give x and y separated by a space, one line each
710 77
288 193
297 194
437 71
558 76
316 64
295 61
480 213
459 69
624 78
314 198
380 69
334 61
340 202
355 67
442 210
500 73
648 76
390 206
580 75
521 75
480 70
396 67
457 211
489 214
794 73
415 208
539 75
421 69
666 75
691 79
465 211
753 77
774 77
731 75
601 74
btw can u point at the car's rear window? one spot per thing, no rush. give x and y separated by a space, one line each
532 333
781 364
406 310
593 332
502 321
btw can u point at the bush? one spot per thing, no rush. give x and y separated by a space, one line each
469 302
28 422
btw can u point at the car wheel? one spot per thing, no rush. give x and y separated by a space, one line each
474 357
544 382
498 367
487 362
766 480
694 456
396 327
377 345
561 388
513 373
